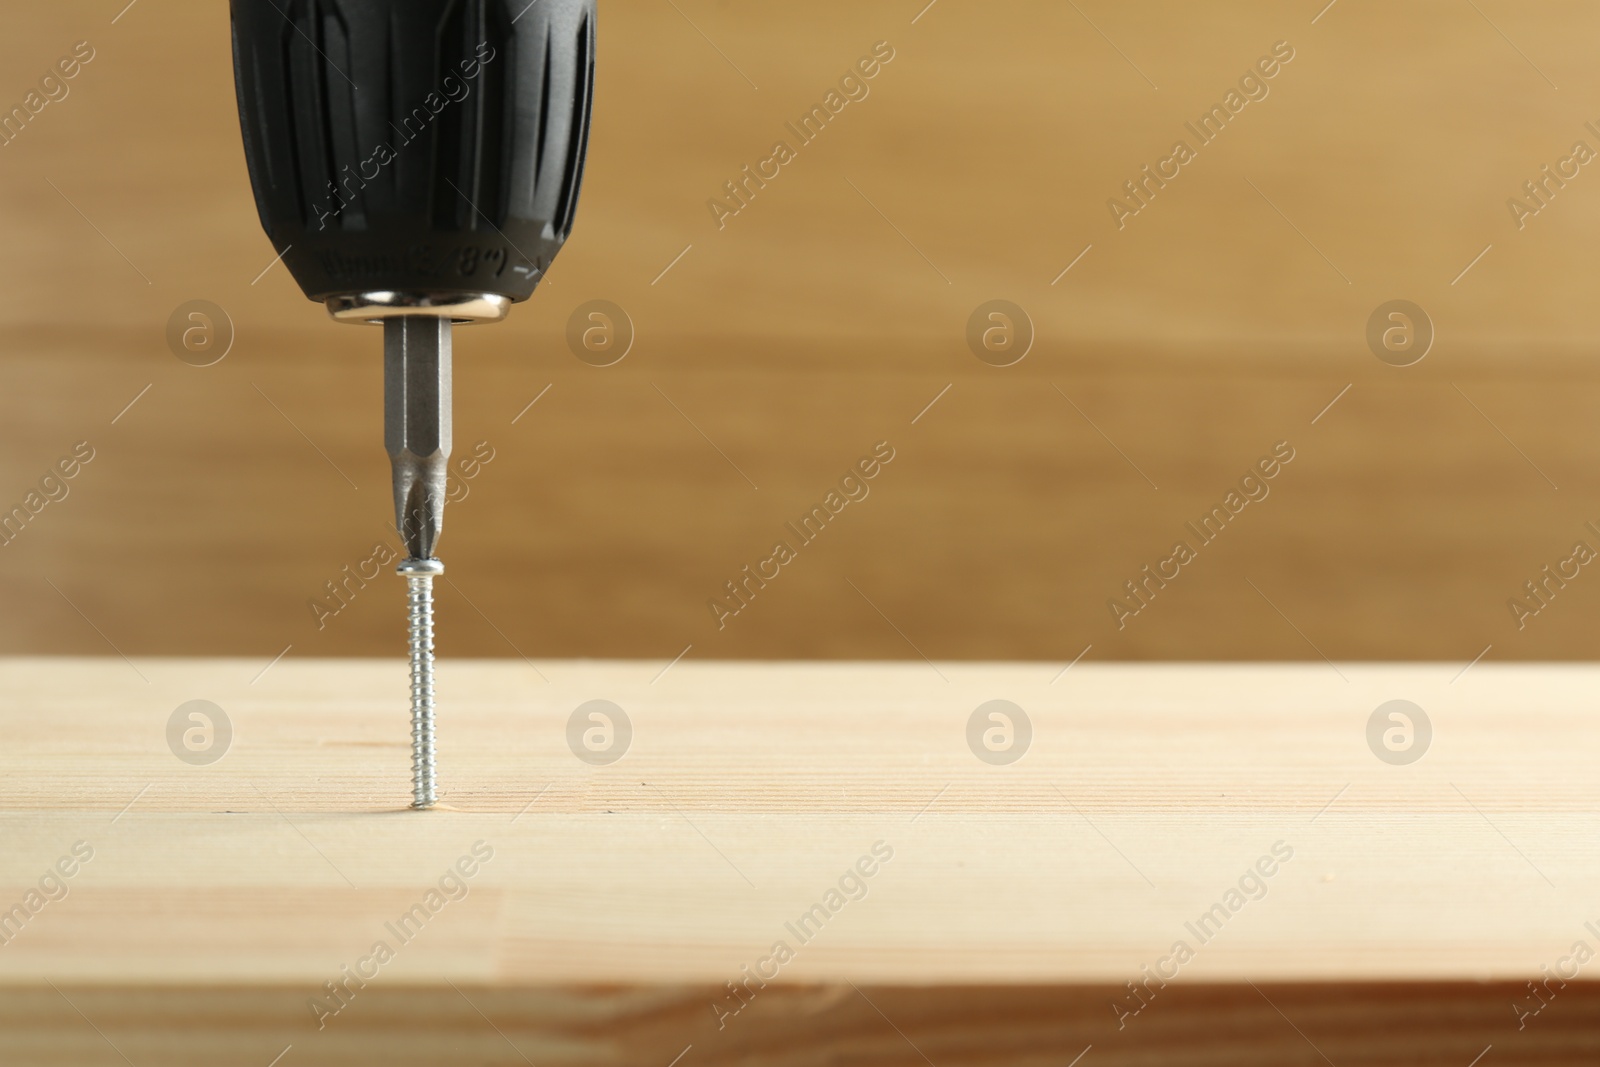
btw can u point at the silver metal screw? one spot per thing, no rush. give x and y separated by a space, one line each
419 575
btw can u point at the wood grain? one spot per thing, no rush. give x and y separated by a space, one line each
1424 1025
991 911
1225 317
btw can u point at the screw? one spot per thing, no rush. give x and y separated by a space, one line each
419 603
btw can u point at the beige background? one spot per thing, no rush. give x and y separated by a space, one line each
824 318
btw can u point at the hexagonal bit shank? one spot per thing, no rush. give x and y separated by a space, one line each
416 425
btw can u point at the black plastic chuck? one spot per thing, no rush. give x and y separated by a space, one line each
429 147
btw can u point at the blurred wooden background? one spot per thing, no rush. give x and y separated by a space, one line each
825 317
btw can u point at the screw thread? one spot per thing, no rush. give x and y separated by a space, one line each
419 603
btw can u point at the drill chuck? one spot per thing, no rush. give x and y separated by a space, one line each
415 156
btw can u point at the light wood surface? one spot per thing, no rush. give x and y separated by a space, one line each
1209 328
622 897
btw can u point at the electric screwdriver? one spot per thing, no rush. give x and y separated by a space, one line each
416 164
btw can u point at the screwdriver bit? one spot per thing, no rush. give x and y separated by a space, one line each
416 425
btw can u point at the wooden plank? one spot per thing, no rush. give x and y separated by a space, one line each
834 808
1386 1025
